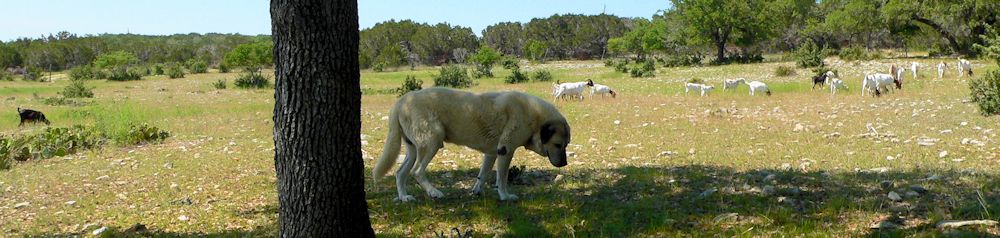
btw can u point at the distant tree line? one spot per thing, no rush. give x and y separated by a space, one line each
728 30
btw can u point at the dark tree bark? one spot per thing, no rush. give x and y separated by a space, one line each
317 123
952 40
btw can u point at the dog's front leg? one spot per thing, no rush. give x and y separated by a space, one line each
484 173
503 164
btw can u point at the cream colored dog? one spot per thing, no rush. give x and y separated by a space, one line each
494 123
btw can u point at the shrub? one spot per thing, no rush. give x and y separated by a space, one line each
609 63
622 66
696 80
77 89
81 72
740 58
142 133
197 66
646 69
174 71
224 68
158 69
49 143
682 60
124 74
482 71
251 80
6 76
809 55
221 84
410 84
452 76
985 91
516 77
854 53
62 101
509 63
783 71
379 67
32 73
484 59
542 76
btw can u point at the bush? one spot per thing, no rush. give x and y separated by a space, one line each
158 69
224 68
740 58
6 76
251 80
77 89
542 76
938 50
822 70
696 80
482 71
379 67
784 71
516 77
646 69
142 133
609 63
452 76
124 74
32 73
484 59
197 66
221 84
854 53
410 84
622 66
509 63
62 101
809 55
175 71
49 143
682 60
81 72
985 91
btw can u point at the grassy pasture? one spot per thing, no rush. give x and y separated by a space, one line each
798 163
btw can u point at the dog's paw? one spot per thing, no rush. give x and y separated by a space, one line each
477 189
434 193
508 197
406 198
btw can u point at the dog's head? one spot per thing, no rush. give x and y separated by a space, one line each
551 140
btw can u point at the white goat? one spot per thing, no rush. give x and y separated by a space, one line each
868 85
836 83
963 67
571 89
757 86
882 82
914 66
599 89
733 83
899 73
704 89
941 67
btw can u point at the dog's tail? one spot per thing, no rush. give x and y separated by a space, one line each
391 150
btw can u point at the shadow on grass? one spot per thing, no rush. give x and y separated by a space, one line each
668 201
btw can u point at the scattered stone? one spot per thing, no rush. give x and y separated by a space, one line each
631 146
886 185
21 205
558 178
895 197
592 140
798 127
665 153
964 123
137 228
707 193
770 177
946 132
919 189
931 178
183 218
103 177
183 201
955 224
691 151
912 194
99 230
571 154
879 170
168 165
944 153
726 217
890 158
884 225
768 190
71 202
385 118
617 122
173 185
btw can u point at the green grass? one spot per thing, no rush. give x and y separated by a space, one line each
220 157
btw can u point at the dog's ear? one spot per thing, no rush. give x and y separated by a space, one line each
546 132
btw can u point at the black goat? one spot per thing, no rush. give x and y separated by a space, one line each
28 115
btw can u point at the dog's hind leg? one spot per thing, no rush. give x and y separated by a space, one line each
425 154
484 173
404 171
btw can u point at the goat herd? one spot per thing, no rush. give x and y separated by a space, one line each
874 83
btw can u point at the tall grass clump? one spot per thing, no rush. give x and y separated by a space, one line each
221 84
783 71
809 55
516 76
410 84
77 89
197 66
453 76
541 76
174 71
251 80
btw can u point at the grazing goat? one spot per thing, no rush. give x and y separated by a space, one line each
599 89
963 67
914 66
883 82
819 80
836 83
868 85
733 83
757 86
571 89
28 115
898 72
704 89
941 67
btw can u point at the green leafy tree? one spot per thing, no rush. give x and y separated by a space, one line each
9 57
535 50
252 58
484 59
721 22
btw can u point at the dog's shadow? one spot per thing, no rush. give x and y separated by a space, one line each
628 201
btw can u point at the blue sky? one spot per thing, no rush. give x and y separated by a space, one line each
40 17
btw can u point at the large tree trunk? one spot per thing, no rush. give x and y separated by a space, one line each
316 119
952 40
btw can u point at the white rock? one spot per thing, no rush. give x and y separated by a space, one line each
798 127
691 151
21 205
895 197
558 178
99 230
70 202
631 146
571 154
103 177
385 118
183 218
617 122
944 153
890 158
